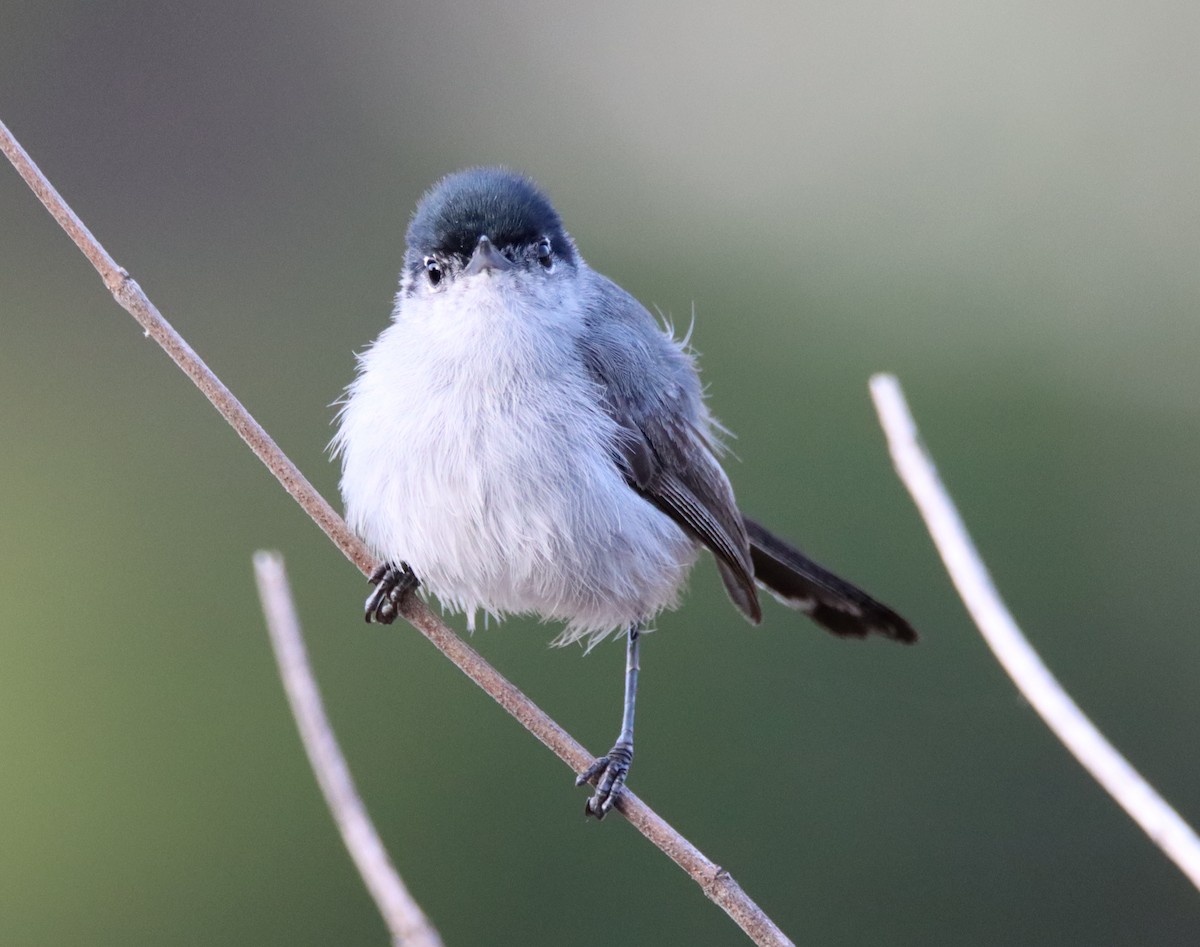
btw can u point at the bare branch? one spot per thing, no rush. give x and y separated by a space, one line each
1034 680
716 883
408 924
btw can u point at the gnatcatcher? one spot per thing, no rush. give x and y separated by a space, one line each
525 438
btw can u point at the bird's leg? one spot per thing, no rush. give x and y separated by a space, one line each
610 770
392 582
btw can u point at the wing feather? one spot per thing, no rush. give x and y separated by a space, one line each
650 389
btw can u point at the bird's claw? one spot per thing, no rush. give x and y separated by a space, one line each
609 772
392 582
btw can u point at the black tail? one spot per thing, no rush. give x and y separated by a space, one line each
832 603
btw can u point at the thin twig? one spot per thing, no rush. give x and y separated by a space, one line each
1034 680
404 918
716 883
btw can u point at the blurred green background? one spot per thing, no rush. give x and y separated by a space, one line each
999 203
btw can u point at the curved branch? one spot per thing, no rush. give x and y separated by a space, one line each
716 883
403 916
1033 679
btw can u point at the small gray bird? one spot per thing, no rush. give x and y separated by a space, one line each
525 438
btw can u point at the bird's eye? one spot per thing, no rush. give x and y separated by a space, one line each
433 270
544 255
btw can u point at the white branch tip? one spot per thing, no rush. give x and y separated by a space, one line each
1061 714
404 918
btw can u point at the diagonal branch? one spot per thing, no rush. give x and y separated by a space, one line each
716 883
1033 679
404 918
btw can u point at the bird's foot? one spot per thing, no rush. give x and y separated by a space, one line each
392 582
609 772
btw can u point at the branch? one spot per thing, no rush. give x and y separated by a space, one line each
1033 679
716 883
408 924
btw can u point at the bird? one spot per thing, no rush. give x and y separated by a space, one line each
524 437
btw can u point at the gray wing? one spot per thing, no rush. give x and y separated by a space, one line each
650 388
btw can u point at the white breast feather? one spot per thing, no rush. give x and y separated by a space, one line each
475 449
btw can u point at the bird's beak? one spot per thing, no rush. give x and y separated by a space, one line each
487 257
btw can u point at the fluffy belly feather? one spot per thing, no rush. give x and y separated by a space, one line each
498 488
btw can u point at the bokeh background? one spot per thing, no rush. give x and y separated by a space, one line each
1001 203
